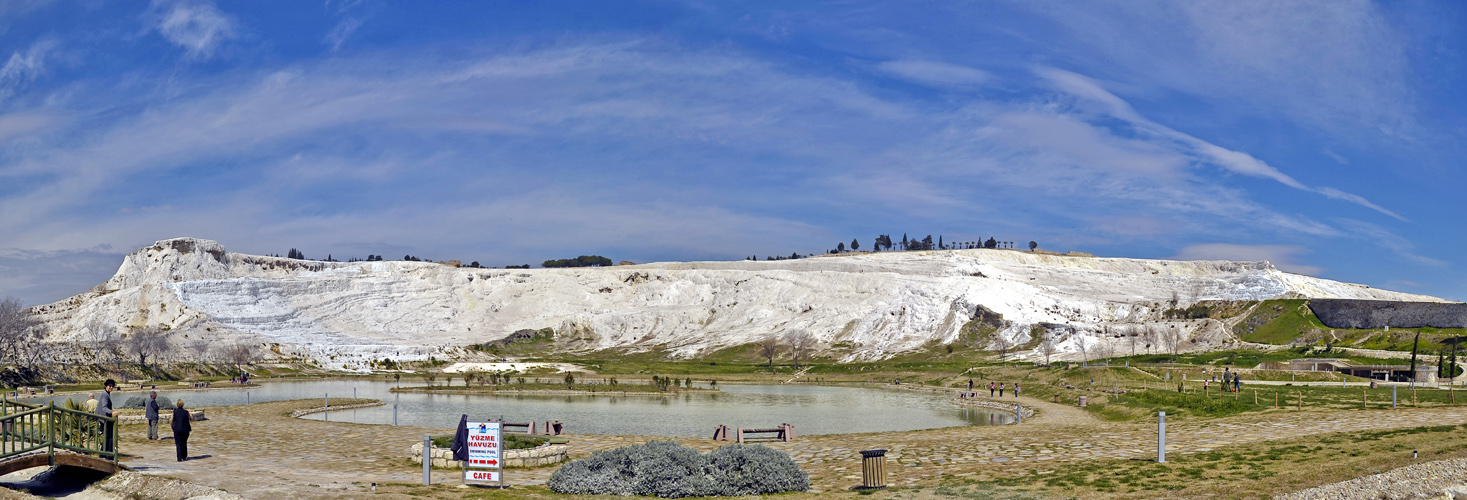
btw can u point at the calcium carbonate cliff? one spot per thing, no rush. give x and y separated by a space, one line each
858 305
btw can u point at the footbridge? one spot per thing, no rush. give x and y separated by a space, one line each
49 435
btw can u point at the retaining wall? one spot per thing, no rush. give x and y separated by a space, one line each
533 457
1347 313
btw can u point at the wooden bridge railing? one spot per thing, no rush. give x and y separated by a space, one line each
27 428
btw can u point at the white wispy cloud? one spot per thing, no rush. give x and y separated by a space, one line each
197 26
1333 65
702 151
350 15
1384 238
25 65
1234 161
935 73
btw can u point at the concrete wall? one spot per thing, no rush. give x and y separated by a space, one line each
1342 313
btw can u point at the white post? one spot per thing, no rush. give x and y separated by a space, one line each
1019 413
427 459
396 398
1161 437
1393 397
327 399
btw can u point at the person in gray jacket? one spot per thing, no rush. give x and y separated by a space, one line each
104 409
151 412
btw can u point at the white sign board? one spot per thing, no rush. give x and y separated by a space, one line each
484 441
484 444
488 476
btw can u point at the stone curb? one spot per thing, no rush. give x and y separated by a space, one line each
1028 410
163 417
300 413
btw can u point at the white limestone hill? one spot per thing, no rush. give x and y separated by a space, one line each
859 306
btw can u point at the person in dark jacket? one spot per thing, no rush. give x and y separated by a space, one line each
104 408
151 412
460 447
181 429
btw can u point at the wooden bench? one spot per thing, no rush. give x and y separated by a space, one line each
784 432
552 427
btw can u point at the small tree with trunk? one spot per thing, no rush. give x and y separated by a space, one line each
1001 344
1046 341
148 342
20 329
1171 339
769 348
801 344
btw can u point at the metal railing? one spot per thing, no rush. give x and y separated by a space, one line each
27 428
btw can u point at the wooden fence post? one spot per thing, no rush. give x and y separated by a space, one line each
1362 399
1301 400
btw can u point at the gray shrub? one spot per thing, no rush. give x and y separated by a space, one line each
754 470
670 470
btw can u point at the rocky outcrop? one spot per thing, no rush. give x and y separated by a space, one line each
857 305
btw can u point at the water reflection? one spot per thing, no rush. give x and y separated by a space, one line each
812 409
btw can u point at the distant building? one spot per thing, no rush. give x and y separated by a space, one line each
1395 373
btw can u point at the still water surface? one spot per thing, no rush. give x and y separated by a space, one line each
812 409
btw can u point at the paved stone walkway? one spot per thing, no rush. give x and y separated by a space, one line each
260 452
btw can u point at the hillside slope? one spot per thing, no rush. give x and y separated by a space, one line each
859 305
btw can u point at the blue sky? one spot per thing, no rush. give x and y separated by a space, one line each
1323 136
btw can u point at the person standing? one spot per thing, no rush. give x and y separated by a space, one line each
104 409
181 430
990 389
1001 387
151 413
1016 389
91 403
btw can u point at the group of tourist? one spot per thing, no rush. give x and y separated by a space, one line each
181 418
1230 381
999 387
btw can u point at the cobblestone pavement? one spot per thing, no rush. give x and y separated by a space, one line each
260 452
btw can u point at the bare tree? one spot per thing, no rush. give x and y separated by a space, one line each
801 344
1171 339
200 350
240 354
1131 338
1046 345
19 328
1151 338
769 348
1001 344
148 342
1084 348
36 352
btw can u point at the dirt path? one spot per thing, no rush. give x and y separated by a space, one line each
260 452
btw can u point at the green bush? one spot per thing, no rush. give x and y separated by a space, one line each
670 470
511 441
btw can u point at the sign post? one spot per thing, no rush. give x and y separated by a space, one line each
484 465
